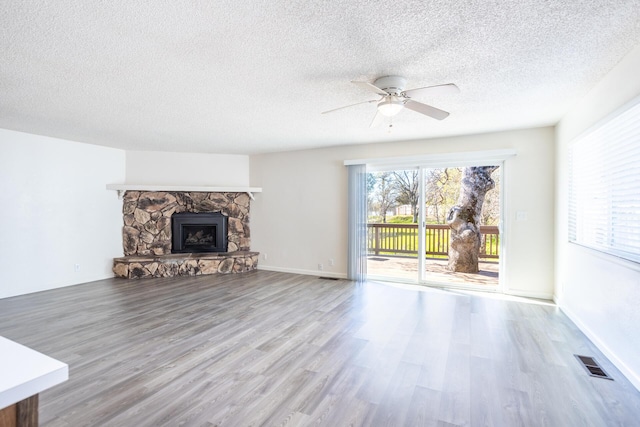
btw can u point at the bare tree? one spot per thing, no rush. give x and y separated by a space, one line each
408 186
371 185
442 187
371 182
464 219
433 193
385 194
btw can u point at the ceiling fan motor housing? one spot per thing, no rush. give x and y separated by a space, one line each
393 85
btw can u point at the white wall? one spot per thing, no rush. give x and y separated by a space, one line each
600 293
56 212
216 170
300 219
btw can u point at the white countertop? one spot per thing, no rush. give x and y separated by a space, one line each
25 372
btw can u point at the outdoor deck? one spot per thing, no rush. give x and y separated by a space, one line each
407 268
393 253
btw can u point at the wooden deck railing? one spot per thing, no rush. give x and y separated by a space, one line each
402 239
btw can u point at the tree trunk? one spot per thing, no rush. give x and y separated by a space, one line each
464 219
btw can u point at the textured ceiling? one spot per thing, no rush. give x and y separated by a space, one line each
253 76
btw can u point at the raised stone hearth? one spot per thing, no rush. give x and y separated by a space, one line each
146 235
196 264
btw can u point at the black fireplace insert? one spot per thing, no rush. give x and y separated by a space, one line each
198 232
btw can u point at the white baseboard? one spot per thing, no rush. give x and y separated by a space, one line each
305 272
632 376
527 294
537 295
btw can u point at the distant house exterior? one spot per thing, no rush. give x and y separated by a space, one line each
404 210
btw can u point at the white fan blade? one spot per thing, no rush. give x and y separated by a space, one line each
368 86
377 119
433 90
425 109
352 105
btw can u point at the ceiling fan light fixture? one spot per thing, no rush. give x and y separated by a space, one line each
390 106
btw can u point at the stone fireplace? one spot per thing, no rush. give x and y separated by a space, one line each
148 235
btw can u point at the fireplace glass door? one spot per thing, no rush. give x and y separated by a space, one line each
199 232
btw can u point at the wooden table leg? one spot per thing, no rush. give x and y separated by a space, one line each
8 416
21 414
27 412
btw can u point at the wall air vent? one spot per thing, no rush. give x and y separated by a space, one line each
592 367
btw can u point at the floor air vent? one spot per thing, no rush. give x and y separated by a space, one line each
592 367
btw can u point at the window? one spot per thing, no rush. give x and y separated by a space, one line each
604 185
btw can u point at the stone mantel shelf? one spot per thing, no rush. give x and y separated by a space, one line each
121 188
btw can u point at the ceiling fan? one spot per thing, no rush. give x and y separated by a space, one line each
394 98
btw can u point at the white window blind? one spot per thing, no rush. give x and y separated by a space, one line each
357 223
604 186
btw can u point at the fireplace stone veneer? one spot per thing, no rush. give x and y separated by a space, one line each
147 235
147 218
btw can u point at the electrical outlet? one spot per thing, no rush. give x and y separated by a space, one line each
76 267
264 256
332 262
320 267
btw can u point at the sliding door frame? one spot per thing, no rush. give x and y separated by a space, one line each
462 159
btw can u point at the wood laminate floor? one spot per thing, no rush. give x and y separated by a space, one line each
267 348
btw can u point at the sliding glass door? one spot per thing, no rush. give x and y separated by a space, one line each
393 236
435 225
462 212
